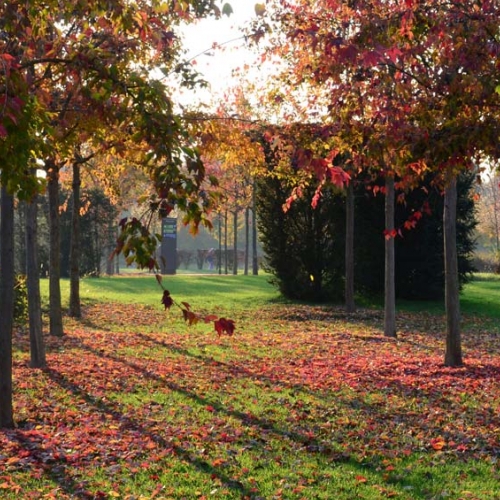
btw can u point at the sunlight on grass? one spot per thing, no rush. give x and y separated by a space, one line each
303 402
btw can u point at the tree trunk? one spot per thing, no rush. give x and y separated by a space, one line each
225 242
111 245
55 311
235 242
6 307
390 283
247 240
219 261
255 258
75 309
37 346
20 263
97 243
453 354
349 250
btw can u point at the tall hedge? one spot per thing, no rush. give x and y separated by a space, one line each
304 247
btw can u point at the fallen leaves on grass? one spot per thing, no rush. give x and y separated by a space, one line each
311 381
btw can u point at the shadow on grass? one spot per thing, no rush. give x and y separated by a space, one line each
108 409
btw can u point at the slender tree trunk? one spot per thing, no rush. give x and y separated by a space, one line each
20 263
6 307
117 264
219 262
109 259
55 313
349 250
37 346
453 354
247 240
97 243
75 309
225 242
255 258
235 242
390 282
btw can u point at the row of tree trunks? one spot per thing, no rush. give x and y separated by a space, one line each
248 234
453 351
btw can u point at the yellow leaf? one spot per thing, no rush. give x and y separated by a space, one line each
260 9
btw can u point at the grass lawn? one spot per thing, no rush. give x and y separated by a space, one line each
303 402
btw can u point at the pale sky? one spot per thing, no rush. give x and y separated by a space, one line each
217 64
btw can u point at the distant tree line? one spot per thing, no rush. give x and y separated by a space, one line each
98 220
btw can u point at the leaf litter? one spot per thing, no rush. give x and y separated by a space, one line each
130 391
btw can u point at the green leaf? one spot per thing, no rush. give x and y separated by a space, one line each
227 10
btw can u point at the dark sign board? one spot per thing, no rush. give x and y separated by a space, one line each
168 260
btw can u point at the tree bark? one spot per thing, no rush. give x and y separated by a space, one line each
55 311
235 242
225 242
20 263
247 240
390 282
349 250
453 354
37 346
255 257
6 307
111 245
219 262
75 309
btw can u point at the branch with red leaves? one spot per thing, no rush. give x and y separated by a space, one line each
138 246
221 325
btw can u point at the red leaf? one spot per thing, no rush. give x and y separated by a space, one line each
209 318
190 317
166 300
223 325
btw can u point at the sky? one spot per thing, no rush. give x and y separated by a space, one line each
216 65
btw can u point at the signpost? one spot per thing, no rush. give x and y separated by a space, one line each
168 260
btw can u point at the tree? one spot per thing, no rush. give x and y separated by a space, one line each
422 72
55 312
6 306
349 250
74 254
65 66
37 345
453 354
390 261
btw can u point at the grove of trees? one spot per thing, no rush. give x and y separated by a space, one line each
397 98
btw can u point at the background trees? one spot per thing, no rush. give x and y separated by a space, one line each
489 220
409 88
71 74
